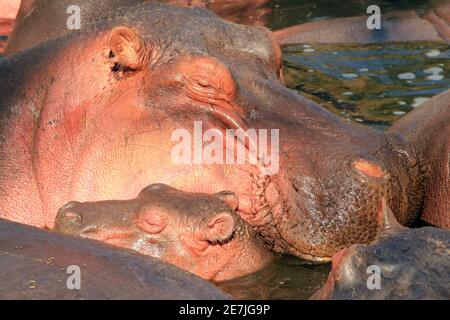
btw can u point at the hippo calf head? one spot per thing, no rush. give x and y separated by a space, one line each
200 233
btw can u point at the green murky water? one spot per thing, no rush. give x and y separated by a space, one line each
286 278
371 84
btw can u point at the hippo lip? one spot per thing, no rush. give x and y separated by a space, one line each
95 233
125 238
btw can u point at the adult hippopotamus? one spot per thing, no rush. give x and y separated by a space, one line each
42 20
98 115
40 264
198 232
402 264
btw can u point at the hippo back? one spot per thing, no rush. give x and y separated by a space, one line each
37 264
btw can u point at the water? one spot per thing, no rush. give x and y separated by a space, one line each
287 13
286 278
369 84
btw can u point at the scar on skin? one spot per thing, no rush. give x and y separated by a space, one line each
369 169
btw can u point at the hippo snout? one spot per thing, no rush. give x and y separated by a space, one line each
314 225
97 220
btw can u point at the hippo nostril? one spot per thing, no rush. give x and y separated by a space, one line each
72 216
68 214
70 219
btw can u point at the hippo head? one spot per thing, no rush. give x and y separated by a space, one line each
200 233
383 270
147 95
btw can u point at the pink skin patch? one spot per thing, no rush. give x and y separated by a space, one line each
369 169
9 9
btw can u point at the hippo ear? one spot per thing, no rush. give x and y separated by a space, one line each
127 47
230 198
151 219
219 228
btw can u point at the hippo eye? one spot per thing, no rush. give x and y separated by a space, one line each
207 79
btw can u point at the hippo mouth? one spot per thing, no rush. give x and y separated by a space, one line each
138 242
129 238
110 235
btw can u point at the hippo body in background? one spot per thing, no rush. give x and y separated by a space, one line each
91 116
33 264
42 20
397 26
413 264
428 129
198 232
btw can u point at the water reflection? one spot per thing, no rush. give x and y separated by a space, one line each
371 84
287 13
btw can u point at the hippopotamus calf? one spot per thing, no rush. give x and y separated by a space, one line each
410 263
200 233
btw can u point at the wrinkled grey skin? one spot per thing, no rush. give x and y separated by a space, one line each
43 20
33 264
413 263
